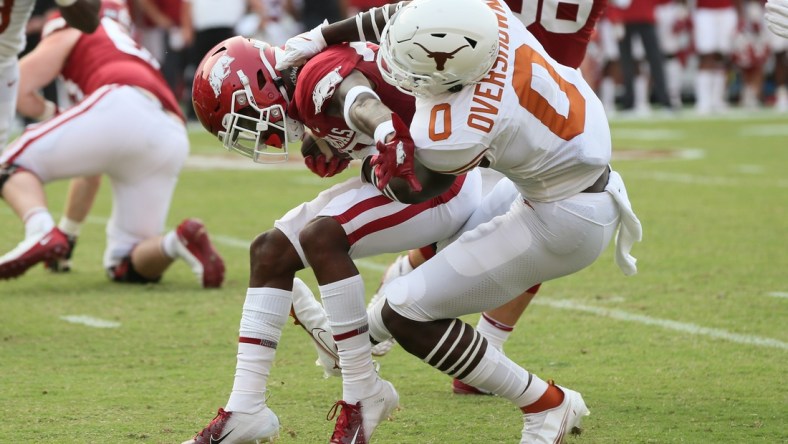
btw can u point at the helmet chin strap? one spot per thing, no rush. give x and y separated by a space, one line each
272 72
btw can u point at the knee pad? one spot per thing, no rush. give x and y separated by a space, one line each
125 273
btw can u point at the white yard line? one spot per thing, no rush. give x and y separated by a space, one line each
90 321
683 327
778 294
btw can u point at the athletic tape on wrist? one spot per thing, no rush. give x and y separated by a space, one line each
350 99
383 130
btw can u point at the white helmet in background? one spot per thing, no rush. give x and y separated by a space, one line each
430 47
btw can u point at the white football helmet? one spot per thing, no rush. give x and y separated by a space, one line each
430 47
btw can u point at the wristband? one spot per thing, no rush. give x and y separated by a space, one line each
383 130
65 3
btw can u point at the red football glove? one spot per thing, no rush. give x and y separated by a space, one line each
326 168
395 158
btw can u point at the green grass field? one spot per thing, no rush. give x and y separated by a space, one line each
693 349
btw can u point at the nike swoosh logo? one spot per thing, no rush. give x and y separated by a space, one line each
45 240
355 436
217 441
317 334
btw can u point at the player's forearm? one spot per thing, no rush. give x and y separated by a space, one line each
371 23
367 113
34 106
81 14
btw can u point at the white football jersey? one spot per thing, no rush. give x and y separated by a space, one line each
534 120
13 20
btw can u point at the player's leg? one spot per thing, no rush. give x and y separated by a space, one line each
466 277
9 75
52 150
371 224
704 36
82 193
143 172
24 193
274 261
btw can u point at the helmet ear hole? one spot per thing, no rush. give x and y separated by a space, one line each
260 79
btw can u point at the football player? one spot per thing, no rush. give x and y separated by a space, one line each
127 125
81 14
563 28
488 94
340 97
714 24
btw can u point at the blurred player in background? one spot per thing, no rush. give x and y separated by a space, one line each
342 99
714 24
673 32
125 124
81 14
563 28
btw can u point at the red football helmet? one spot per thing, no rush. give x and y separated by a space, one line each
239 97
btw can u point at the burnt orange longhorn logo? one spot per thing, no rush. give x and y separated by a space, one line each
440 57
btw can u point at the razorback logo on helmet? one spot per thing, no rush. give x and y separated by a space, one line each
440 57
325 87
219 72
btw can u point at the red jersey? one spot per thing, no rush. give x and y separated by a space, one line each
714 4
319 78
110 56
563 27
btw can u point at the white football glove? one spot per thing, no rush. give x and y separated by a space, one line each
777 17
301 48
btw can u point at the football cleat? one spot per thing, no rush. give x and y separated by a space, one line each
552 425
239 428
462 388
310 315
38 248
196 249
63 264
356 422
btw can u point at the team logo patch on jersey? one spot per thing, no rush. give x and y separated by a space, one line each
324 88
219 72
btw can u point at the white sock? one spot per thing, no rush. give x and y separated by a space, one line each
500 375
264 315
168 244
719 89
607 93
37 221
347 316
673 80
703 90
69 226
495 332
641 92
